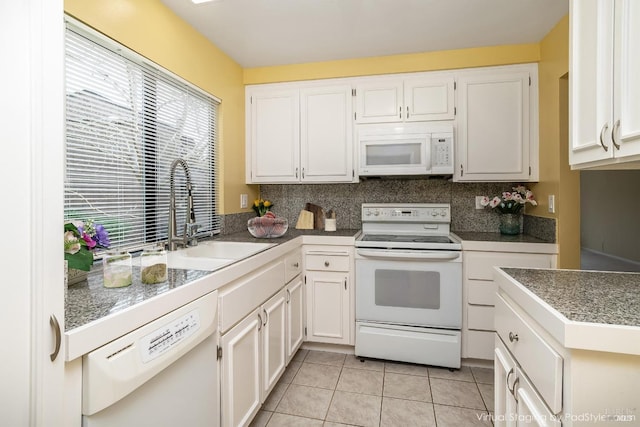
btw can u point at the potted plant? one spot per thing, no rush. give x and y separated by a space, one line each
81 238
510 205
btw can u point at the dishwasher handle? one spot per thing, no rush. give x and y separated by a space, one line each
410 255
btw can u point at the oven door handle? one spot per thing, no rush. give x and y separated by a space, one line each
410 255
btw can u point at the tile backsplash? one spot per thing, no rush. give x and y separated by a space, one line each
345 199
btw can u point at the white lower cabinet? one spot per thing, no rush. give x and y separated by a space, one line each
274 345
516 402
479 294
330 294
256 349
253 359
295 316
241 371
328 307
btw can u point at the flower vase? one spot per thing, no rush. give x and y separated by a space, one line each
74 276
510 223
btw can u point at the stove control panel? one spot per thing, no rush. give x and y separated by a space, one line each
418 212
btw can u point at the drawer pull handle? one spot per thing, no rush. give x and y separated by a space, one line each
513 337
326 263
296 265
259 322
514 392
508 376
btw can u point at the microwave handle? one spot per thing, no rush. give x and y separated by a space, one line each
410 255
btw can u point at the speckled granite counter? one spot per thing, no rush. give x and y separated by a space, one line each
586 296
581 309
90 300
497 237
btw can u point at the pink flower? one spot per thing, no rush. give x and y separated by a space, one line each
71 243
90 243
495 202
484 201
506 195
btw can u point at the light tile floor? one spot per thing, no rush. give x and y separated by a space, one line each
333 389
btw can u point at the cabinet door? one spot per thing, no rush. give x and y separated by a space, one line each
429 99
591 82
531 410
328 307
626 126
295 316
504 380
379 102
241 371
274 345
326 134
493 131
275 136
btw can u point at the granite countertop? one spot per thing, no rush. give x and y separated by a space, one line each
497 237
585 296
89 301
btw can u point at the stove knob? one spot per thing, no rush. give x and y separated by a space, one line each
434 213
376 213
443 212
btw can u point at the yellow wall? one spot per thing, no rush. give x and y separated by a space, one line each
427 61
151 29
555 175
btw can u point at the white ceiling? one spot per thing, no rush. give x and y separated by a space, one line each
258 33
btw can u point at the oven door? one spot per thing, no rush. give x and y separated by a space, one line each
409 287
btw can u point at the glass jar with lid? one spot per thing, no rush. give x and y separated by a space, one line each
153 265
117 270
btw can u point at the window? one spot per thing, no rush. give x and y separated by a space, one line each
126 121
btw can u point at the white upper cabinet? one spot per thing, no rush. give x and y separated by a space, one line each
326 134
274 130
497 137
604 84
429 97
299 134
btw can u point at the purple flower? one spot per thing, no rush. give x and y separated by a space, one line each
102 237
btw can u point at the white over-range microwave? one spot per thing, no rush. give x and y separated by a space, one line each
405 149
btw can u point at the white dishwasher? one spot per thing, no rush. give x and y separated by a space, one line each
162 374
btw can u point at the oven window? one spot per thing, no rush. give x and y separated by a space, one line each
407 289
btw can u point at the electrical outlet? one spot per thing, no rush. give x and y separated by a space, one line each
478 204
244 201
552 203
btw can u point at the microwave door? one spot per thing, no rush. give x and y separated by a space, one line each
407 156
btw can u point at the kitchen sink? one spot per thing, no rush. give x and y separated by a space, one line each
213 255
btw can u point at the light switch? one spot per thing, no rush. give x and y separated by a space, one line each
552 203
244 201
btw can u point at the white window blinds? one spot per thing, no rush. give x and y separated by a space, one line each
126 122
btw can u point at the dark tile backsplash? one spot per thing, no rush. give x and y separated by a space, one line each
345 199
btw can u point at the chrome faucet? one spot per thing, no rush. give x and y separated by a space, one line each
190 226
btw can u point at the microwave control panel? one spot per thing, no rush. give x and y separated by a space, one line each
442 153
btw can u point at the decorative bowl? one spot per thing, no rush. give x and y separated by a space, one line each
266 228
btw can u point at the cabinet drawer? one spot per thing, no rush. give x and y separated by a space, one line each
479 265
481 292
541 363
480 317
327 262
242 296
292 265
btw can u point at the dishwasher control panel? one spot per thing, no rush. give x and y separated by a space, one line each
164 338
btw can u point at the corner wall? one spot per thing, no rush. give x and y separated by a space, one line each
556 177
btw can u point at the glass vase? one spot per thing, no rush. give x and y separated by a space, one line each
510 223
117 270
